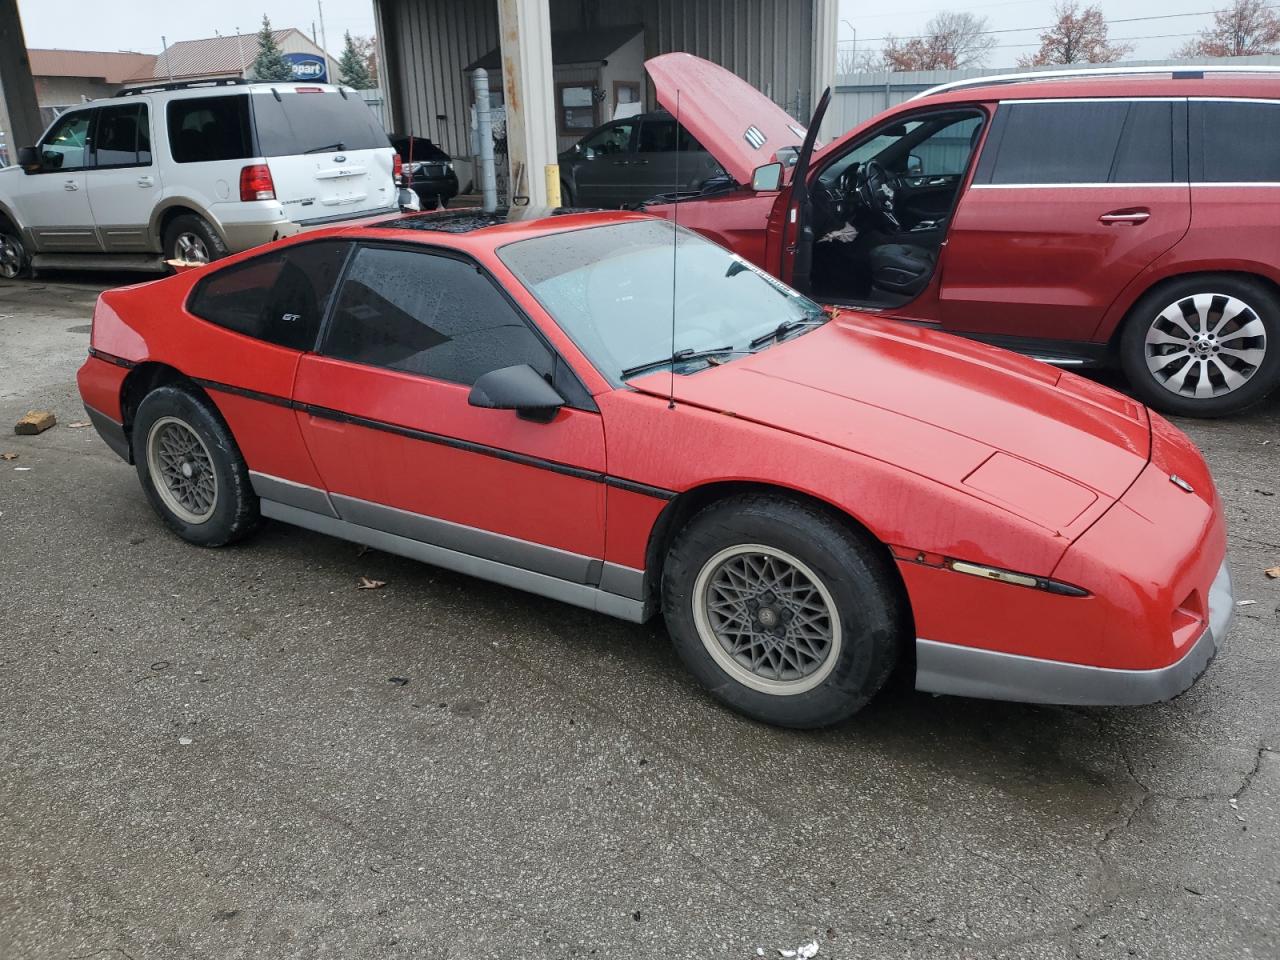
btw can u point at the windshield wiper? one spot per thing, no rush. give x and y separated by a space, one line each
787 326
326 148
680 356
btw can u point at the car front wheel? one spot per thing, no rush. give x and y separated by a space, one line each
191 469
13 255
781 611
1204 346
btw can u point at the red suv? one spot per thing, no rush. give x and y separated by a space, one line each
1083 218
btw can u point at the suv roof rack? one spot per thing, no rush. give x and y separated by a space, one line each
1187 72
183 85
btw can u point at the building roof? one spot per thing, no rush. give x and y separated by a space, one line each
95 64
571 46
212 56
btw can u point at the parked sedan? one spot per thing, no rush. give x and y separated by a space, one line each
428 171
626 162
569 406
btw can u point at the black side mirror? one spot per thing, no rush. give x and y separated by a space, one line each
520 388
29 159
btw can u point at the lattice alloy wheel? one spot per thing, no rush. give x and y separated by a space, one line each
767 619
1205 345
182 470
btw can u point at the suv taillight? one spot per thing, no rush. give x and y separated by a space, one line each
256 183
397 168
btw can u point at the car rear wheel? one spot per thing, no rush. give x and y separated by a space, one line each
781 611
191 469
191 238
13 255
1204 346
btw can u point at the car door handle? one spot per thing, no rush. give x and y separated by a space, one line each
1125 216
622 163
146 182
640 163
70 185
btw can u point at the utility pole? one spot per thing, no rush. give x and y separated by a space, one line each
324 38
240 53
167 66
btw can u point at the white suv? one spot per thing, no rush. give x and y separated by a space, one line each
192 172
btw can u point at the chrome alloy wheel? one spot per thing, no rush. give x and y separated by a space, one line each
1206 345
766 619
181 470
12 256
190 247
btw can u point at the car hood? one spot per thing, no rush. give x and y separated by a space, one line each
1050 446
736 123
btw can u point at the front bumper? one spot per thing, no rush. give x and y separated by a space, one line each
990 674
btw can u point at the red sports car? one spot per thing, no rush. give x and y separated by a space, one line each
625 416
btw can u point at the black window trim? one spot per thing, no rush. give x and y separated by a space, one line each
195 290
88 140
991 147
91 147
583 401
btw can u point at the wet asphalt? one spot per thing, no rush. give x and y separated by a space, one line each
238 754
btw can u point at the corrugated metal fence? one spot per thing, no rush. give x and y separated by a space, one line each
860 96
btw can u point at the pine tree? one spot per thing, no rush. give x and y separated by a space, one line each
270 64
352 68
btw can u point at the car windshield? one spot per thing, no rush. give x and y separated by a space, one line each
610 289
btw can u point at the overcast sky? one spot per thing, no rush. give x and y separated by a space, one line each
139 24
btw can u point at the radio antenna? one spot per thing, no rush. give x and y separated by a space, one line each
675 244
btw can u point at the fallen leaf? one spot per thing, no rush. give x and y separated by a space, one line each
8 456
79 424
368 584
1273 572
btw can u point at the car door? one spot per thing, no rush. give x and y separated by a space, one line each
385 412
603 175
1071 199
53 202
123 181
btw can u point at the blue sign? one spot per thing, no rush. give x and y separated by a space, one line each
308 66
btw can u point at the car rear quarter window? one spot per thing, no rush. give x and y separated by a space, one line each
279 297
1235 141
431 315
1078 142
289 124
210 128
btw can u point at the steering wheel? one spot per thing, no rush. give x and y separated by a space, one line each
876 190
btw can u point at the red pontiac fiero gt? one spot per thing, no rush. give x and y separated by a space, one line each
586 408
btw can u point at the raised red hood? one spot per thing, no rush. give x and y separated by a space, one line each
960 412
735 122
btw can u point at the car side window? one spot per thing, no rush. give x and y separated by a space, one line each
66 144
660 136
1252 156
121 137
612 139
210 128
431 315
1080 142
279 297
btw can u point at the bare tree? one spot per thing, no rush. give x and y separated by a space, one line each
950 40
1079 36
1246 27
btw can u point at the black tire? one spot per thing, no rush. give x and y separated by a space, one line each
1170 387
14 259
234 510
566 194
181 231
858 581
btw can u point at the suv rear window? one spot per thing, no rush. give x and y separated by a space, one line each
210 128
314 123
1080 142
1251 155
